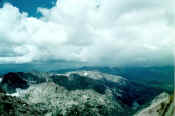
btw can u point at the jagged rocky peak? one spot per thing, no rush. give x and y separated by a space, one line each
13 80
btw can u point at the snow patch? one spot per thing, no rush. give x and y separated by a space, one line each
19 92
85 73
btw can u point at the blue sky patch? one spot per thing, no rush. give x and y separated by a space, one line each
30 6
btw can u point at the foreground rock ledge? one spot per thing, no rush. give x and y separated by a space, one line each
162 105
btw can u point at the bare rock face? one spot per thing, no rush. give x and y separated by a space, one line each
83 94
73 103
162 105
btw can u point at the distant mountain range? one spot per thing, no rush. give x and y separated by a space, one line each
161 77
86 91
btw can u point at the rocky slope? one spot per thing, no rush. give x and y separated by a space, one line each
78 93
13 106
162 105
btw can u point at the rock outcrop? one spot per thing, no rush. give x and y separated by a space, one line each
162 105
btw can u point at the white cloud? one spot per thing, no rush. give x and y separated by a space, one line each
113 33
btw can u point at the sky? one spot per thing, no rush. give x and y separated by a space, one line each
87 32
30 6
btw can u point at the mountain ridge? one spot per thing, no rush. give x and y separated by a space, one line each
78 92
